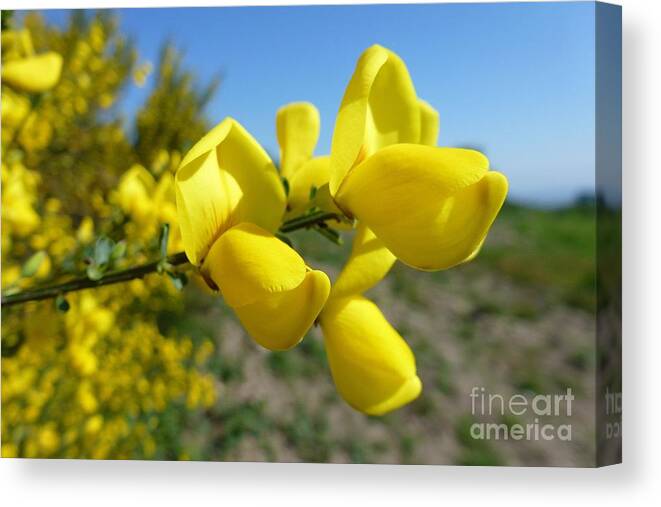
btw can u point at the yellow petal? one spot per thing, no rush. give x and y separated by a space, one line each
280 321
15 108
368 264
372 366
165 201
379 108
225 179
34 74
206 199
475 252
135 193
429 124
248 263
164 190
16 43
313 173
138 174
297 128
431 207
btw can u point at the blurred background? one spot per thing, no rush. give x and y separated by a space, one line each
146 370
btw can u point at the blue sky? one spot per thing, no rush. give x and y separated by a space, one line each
515 80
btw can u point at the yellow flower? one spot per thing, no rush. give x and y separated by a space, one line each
372 366
16 43
48 439
36 133
141 74
85 232
18 196
368 264
94 424
135 194
274 294
164 199
22 217
10 275
432 207
225 179
15 108
86 398
34 74
44 268
9 450
106 100
429 124
230 201
297 127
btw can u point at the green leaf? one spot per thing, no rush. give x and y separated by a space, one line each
179 280
62 304
330 234
163 240
88 253
285 183
118 251
103 250
313 192
94 272
31 266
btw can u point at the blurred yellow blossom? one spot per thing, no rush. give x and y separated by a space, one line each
96 381
142 73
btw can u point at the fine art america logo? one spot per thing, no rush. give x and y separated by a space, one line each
536 411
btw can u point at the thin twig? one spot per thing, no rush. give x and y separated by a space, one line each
52 291
308 220
86 283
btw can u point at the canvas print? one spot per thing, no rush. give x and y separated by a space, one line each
335 234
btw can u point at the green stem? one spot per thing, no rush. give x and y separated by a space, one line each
308 221
86 283
126 275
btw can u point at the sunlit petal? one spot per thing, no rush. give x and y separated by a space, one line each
15 108
225 179
297 128
280 321
248 263
379 108
34 74
431 207
429 124
134 193
368 264
372 366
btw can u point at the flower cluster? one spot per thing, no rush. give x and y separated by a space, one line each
430 207
100 379
97 374
88 385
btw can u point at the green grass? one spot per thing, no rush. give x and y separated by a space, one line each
235 421
308 434
474 452
308 359
550 249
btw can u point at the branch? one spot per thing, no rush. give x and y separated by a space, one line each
86 283
126 275
309 220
